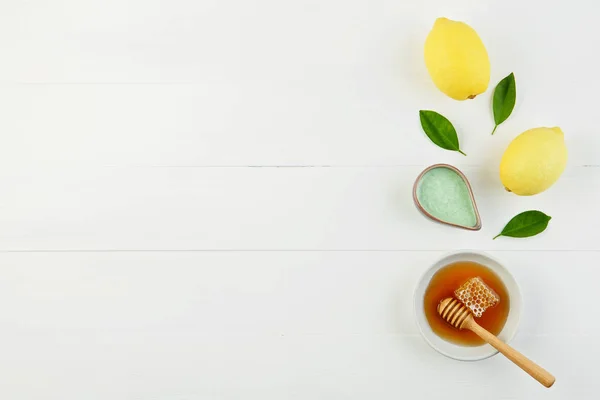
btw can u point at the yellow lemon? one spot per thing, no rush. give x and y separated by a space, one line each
533 161
456 59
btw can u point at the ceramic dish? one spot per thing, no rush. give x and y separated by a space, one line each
449 198
456 351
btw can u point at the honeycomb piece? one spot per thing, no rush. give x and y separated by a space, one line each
476 296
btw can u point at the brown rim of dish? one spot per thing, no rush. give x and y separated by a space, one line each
464 178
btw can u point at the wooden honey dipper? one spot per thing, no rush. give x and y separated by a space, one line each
459 316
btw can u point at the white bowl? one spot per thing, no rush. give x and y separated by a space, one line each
465 353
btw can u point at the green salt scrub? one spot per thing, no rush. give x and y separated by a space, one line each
444 194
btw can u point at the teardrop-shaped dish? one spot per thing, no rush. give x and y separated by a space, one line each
443 193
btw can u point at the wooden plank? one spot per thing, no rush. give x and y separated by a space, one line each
271 324
219 122
272 209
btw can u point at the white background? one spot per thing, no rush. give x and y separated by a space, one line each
212 199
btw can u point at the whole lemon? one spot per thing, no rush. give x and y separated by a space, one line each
456 59
533 161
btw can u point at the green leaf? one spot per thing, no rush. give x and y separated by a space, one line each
439 130
505 96
528 223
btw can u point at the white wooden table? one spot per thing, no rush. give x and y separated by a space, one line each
211 199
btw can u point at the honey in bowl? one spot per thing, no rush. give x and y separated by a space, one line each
445 282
